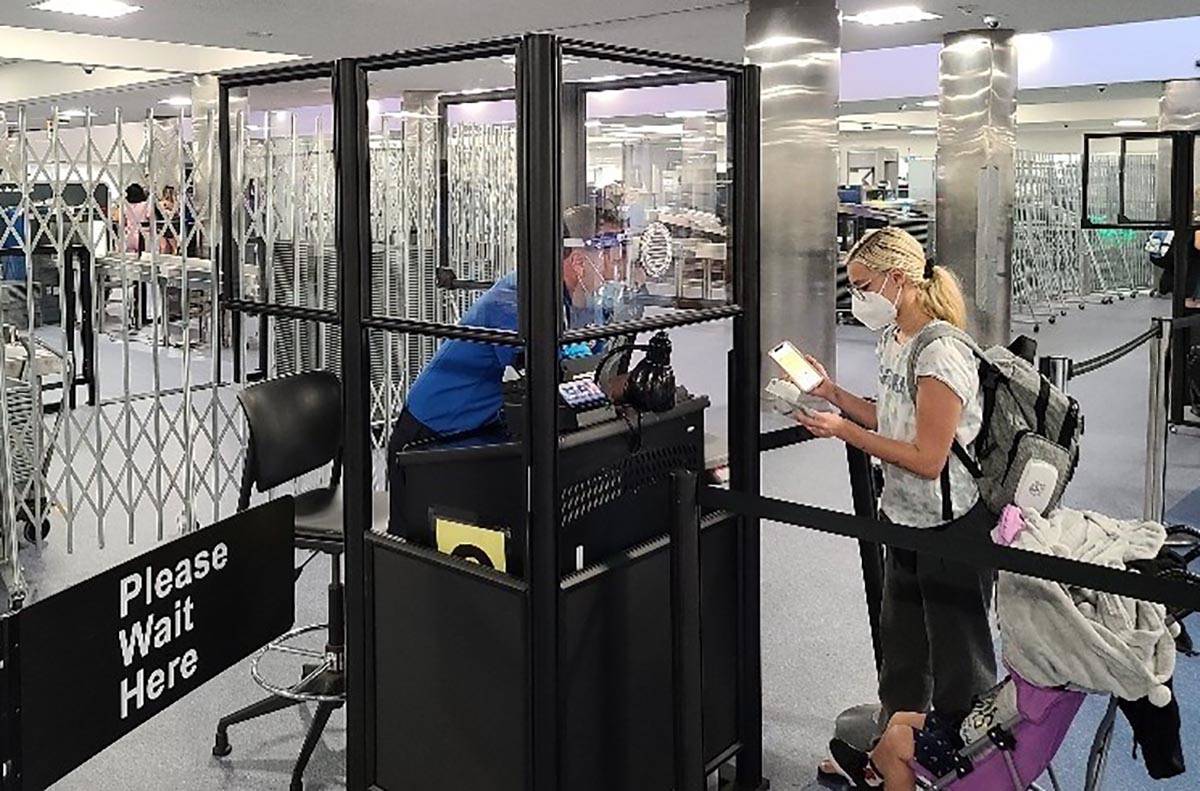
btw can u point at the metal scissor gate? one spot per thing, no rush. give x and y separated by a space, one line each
118 404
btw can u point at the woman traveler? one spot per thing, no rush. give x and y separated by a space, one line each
935 631
134 216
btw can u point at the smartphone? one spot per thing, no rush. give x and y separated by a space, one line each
798 369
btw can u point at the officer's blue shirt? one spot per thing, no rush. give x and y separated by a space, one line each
460 389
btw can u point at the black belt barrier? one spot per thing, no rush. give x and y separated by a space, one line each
1109 357
1174 593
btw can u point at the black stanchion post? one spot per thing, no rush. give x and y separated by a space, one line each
686 635
1057 370
862 491
1182 161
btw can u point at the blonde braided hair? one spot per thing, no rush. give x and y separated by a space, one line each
887 249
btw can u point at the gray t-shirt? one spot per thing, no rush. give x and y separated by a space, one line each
909 499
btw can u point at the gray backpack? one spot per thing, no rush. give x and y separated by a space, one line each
1025 418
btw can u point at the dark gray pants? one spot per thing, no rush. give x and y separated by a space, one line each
935 632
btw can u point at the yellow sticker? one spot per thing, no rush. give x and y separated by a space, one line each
471 543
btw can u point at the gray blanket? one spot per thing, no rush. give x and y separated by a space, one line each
1055 634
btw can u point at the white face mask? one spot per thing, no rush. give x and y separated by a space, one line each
873 310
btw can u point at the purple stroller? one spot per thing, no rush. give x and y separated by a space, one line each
1016 752
1043 717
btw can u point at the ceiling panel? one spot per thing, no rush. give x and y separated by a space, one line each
324 29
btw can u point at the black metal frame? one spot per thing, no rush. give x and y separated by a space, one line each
539 58
1182 222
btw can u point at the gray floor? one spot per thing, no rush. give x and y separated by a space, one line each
816 645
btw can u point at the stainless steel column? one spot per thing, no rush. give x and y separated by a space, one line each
1179 107
1156 424
1178 110
798 45
976 171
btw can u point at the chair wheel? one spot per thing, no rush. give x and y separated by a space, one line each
1037 327
221 747
1052 319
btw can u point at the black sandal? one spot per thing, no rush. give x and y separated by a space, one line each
853 765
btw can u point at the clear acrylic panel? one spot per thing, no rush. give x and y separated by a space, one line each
443 198
284 222
1147 170
647 192
1129 184
444 194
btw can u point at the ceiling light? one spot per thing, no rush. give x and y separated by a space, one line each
898 15
177 101
1130 123
259 33
686 114
104 9
923 132
850 126
72 114
592 124
932 103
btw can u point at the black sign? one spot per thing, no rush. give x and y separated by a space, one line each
100 658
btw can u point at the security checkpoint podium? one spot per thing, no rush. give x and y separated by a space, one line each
451 656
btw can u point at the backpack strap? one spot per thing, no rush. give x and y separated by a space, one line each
921 341
930 333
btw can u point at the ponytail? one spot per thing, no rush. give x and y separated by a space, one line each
942 298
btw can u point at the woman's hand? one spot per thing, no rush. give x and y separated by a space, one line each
827 389
823 425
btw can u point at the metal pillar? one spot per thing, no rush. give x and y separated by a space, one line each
1156 424
798 45
1179 107
975 173
1178 111
1057 370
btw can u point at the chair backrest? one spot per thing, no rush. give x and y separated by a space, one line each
295 427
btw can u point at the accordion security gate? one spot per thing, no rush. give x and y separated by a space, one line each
127 427
284 227
115 298
1056 263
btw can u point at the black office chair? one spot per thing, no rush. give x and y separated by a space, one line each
295 427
